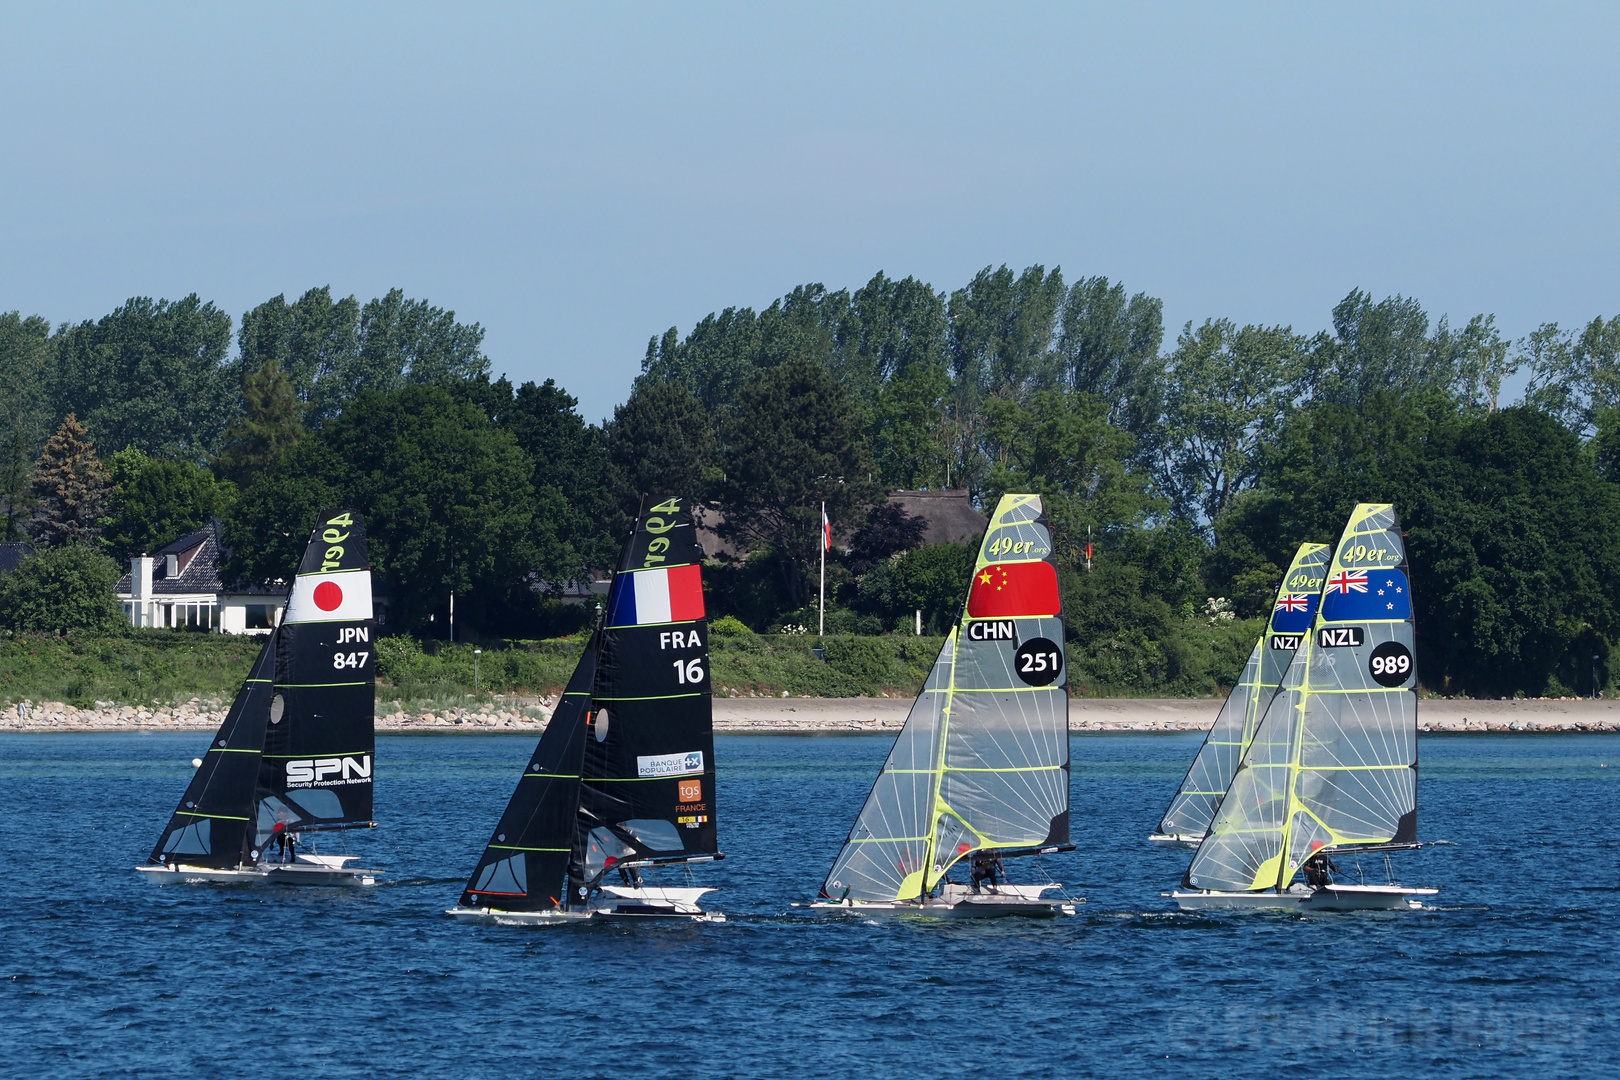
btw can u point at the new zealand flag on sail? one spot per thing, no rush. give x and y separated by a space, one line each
1354 595
1293 613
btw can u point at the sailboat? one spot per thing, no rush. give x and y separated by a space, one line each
1332 768
1187 820
980 771
294 755
623 777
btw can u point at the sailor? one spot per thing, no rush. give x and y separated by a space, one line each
630 875
279 836
1319 870
985 867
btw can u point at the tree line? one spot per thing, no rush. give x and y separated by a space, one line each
1194 465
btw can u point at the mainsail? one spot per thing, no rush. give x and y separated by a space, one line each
296 747
1333 763
624 774
1206 781
983 760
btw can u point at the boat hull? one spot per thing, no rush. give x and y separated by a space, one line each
612 902
1176 840
308 870
1330 898
959 902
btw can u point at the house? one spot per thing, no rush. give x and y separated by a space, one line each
179 586
950 516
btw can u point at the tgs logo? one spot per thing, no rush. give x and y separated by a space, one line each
329 772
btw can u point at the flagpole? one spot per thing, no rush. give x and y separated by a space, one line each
821 530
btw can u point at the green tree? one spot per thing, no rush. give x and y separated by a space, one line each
155 501
70 488
311 341
931 579
26 349
446 495
1227 392
60 590
795 442
661 441
1109 347
1060 445
570 479
270 422
1574 376
152 375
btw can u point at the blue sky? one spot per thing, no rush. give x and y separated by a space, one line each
579 179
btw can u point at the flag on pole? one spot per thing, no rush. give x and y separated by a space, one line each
826 531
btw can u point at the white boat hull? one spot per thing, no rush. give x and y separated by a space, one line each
1330 898
308 870
611 902
961 902
1176 840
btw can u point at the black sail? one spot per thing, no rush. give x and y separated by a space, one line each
212 825
319 743
647 789
525 865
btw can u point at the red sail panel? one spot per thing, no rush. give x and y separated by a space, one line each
1014 590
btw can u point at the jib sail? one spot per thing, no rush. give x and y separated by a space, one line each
1333 763
983 759
212 826
647 782
525 865
320 742
1206 781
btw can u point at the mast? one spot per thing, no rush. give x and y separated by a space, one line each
1333 763
1210 774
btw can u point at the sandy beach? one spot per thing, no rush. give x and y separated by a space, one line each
801 716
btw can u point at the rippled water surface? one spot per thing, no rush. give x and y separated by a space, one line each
1513 972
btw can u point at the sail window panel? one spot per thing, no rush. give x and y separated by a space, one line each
899 805
603 849
878 870
654 833
1007 731
508 876
1360 730
191 839
1362 805
1008 808
988 665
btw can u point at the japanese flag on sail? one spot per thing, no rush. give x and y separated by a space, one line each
340 597
826 531
1011 590
646 597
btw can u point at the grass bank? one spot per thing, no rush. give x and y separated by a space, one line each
146 667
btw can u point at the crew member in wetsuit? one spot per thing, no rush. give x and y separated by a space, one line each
1319 870
279 834
985 867
630 875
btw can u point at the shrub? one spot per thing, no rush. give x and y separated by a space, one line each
63 589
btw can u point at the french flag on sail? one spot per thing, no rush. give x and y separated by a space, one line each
646 597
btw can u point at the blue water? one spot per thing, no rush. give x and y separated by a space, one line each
1513 974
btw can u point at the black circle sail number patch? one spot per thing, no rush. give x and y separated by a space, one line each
1038 661
1390 664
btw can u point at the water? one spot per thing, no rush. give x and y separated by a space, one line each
1513 974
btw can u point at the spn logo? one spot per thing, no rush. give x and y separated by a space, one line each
320 772
690 791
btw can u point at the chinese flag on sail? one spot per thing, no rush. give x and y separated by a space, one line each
1011 590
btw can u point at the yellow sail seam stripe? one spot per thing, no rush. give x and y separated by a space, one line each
514 847
225 817
654 697
317 685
